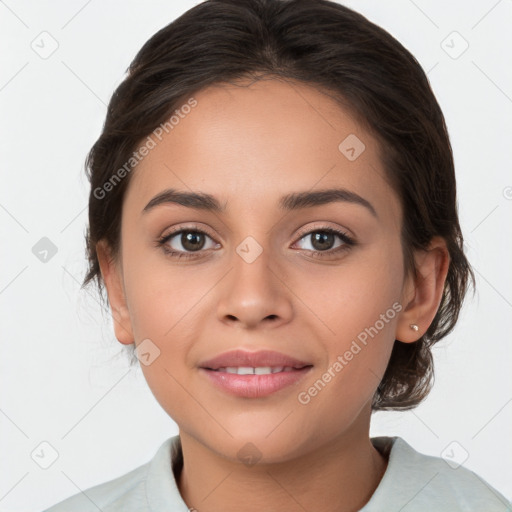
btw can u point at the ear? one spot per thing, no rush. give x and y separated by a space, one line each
422 292
113 279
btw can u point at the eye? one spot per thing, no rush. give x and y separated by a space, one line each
184 242
191 242
322 240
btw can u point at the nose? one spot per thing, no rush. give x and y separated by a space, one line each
255 293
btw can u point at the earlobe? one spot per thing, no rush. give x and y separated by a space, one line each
423 291
112 277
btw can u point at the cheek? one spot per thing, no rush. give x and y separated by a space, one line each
361 315
160 295
358 357
358 296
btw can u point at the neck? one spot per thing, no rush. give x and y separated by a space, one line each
338 476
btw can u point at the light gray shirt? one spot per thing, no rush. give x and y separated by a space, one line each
413 482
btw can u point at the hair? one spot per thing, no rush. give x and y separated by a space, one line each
338 51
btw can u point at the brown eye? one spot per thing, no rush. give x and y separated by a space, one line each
192 240
184 243
323 240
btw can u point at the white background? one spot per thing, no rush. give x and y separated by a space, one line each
60 378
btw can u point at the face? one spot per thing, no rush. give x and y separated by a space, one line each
320 281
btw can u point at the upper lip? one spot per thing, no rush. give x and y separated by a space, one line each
237 358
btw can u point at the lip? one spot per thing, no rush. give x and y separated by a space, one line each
254 386
244 358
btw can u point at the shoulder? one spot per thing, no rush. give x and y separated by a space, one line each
419 482
126 493
108 496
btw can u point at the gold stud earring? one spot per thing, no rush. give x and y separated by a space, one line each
414 327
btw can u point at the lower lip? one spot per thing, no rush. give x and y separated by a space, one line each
254 386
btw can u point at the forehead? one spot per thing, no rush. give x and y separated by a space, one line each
249 144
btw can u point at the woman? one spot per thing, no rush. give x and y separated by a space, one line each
273 216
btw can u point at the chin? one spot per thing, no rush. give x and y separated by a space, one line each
257 446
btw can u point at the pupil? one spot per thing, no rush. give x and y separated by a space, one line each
189 240
319 240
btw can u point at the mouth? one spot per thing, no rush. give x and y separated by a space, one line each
253 374
257 370
267 361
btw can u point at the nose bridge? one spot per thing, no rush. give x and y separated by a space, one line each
254 290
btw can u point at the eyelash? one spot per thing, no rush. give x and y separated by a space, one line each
348 242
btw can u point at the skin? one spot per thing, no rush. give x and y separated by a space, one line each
248 146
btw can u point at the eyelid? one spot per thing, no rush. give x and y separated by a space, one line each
321 226
302 232
187 227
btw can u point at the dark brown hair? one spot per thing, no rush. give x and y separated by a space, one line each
338 51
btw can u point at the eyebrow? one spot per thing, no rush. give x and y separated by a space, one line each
289 202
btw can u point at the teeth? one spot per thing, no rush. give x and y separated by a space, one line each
260 370
244 370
